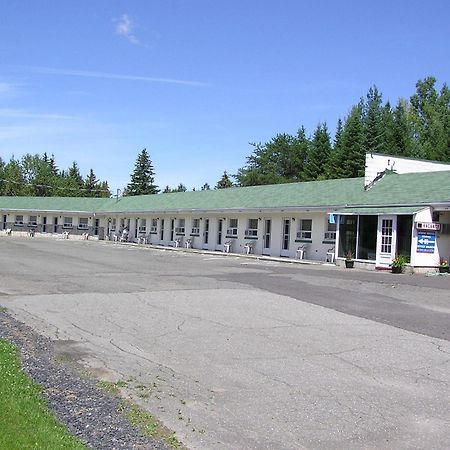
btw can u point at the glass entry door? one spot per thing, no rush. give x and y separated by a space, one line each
386 240
206 234
267 232
286 237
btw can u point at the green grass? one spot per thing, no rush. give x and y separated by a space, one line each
25 420
148 425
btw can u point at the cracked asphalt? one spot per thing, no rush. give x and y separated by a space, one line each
236 353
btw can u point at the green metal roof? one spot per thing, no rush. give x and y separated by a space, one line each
393 190
72 204
311 194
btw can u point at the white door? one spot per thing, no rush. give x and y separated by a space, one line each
219 234
266 237
386 240
206 234
285 237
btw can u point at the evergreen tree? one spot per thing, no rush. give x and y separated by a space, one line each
206 187
334 164
373 122
91 186
13 179
143 177
224 182
353 160
318 154
430 113
180 188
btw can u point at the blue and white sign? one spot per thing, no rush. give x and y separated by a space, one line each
426 241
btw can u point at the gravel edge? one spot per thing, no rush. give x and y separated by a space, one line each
88 412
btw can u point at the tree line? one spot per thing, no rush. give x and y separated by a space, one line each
36 175
418 128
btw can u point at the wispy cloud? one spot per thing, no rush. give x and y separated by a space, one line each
112 76
7 88
23 114
125 27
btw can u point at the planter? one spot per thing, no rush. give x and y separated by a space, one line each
397 269
444 269
349 264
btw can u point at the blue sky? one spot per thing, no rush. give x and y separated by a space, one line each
195 81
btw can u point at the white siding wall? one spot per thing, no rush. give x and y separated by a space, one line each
376 164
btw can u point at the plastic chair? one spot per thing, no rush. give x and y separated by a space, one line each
330 255
300 252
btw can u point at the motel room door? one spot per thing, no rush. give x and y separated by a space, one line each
266 238
285 237
386 240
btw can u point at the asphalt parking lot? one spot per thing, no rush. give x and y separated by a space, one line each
237 353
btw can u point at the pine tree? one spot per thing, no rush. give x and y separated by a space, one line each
333 167
13 179
91 185
353 160
318 154
205 187
373 122
224 182
143 177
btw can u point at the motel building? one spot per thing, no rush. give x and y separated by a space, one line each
400 207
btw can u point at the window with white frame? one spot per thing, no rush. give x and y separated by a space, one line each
83 223
143 226
19 221
68 222
305 229
113 224
32 221
330 231
195 226
252 228
232 229
154 226
179 229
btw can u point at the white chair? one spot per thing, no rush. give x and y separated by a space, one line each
227 246
65 235
177 243
330 255
300 252
188 243
249 247
8 232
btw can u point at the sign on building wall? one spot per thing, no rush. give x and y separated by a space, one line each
428 226
426 241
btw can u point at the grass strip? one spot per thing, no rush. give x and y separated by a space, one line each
25 420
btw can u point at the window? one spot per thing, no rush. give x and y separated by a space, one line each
180 228
358 234
252 228
347 235
19 221
32 221
232 229
305 230
154 226
143 226
83 223
67 222
113 224
195 226
330 231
